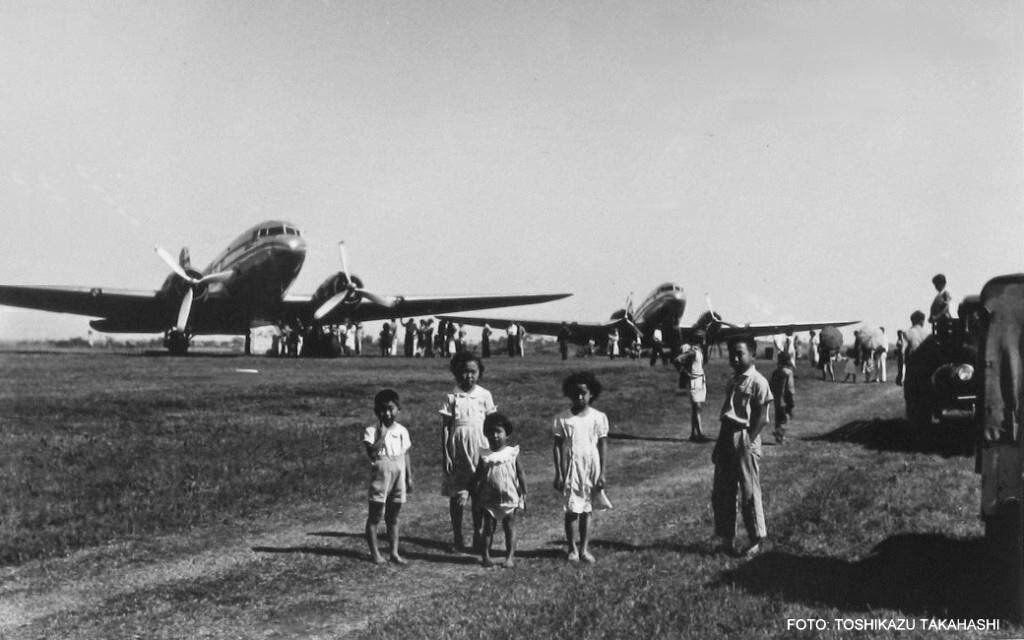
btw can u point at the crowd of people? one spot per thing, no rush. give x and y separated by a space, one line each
409 338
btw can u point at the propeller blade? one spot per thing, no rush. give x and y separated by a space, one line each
630 322
329 306
173 264
344 257
384 301
185 310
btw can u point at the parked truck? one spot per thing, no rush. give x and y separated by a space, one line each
999 420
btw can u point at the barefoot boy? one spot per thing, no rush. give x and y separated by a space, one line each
387 446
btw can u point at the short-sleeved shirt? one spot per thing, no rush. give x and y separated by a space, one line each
742 390
468 408
396 439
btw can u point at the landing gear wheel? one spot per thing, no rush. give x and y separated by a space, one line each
177 343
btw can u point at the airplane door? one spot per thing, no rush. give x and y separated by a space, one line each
1000 439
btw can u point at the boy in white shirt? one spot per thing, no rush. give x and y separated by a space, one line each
387 446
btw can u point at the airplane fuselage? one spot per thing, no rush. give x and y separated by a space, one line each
264 262
662 309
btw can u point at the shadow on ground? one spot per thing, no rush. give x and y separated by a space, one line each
948 439
629 436
413 548
925 574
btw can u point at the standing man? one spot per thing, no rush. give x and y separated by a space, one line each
485 341
737 452
941 305
512 337
690 363
564 334
409 344
656 345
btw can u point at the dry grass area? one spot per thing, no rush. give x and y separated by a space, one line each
148 496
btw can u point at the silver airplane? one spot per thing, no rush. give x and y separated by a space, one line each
243 288
662 309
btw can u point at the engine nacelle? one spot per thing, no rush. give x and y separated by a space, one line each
335 284
709 321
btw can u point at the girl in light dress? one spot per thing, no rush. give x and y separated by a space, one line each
500 487
462 440
580 435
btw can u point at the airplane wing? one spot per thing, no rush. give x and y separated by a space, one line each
142 306
581 331
725 332
411 306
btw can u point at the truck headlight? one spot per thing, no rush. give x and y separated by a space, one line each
965 372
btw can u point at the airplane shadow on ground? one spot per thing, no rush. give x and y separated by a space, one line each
897 434
918 574
413 548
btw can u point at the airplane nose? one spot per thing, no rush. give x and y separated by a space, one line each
297 244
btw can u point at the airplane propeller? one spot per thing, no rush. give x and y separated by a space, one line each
628 316
707 301
186 303
351 289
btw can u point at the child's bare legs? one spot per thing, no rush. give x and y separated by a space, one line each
696 432
456 505
583 550
373 517
585 554
509 525
391 518
571 526
490 524
478 525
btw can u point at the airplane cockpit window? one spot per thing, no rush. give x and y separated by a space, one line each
266 232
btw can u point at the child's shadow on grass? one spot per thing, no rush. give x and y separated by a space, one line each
630 436
698 548
949 439
914 573
413 548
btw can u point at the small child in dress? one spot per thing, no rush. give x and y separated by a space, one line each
579 455
387 446
462 439
782 387
500 487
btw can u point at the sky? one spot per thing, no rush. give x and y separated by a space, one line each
796 161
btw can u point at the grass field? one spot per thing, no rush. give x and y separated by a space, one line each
148 496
